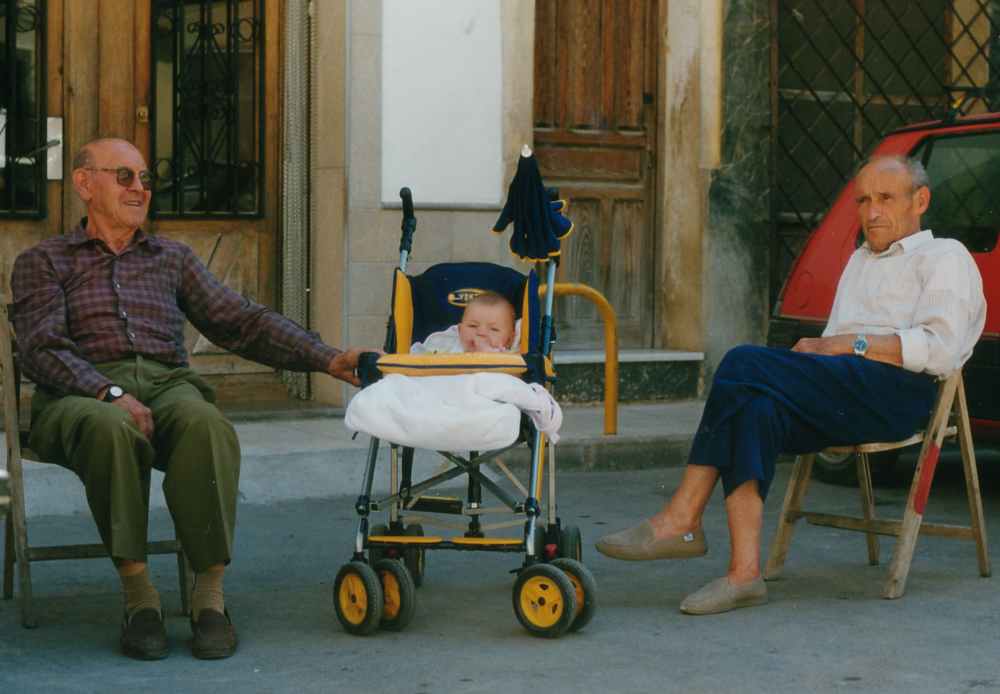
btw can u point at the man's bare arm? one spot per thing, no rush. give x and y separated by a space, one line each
884 348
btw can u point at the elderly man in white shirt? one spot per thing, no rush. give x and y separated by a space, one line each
908 308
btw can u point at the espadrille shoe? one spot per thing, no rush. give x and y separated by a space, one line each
639 543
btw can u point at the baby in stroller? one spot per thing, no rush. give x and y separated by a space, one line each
470 409
489 324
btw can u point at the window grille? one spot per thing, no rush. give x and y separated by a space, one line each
849 72
207 117
22 108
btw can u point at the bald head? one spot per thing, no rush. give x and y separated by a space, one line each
89 154
911 167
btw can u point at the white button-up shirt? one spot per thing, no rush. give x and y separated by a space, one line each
926 290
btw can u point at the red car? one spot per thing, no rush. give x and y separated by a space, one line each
962 158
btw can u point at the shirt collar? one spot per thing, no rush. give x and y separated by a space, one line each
906 244
79 236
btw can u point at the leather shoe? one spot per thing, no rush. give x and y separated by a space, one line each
639 543
143 635
721 596
214 635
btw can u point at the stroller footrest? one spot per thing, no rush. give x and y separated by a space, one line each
403 540
487 541
501 544
437 504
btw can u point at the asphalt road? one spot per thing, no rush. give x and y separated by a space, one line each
825 628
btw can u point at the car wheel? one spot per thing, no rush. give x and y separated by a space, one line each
842 469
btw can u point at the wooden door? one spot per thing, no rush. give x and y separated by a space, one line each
110 76
595 116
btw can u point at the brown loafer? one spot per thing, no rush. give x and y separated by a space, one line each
144 636
640 544
721 596
214 635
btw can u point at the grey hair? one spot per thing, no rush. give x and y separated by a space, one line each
914 167
84 158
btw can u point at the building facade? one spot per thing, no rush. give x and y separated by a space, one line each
274 129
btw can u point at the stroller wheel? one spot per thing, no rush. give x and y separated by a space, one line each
544 600
357 598
585 587
413 557
376 553
570 543
399 594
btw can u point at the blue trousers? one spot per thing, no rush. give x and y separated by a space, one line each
765 402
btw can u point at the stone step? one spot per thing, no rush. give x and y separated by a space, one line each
644 375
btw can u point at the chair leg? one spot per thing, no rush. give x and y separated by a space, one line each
8 558
920 488
868 504
20 532
902 553
972 483
794 495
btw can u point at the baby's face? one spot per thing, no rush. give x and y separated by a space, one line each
486 328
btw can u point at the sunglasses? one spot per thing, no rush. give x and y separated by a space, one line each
125 175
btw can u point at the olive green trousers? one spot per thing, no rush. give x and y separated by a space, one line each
193 445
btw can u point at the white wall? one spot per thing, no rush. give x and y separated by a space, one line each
442 86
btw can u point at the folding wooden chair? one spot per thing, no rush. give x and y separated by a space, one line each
951 404
16 548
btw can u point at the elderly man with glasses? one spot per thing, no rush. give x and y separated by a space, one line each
99 316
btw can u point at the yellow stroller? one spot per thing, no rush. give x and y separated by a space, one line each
553 592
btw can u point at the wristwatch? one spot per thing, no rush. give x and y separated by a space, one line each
114 392
861 345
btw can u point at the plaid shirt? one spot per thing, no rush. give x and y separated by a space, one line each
76 304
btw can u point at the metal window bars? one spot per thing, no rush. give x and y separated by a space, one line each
207 117
845 74
22 108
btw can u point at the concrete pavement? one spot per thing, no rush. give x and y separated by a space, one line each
825 630
313 457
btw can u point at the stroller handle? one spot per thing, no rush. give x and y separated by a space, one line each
409 225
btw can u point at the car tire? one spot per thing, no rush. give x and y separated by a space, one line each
842 469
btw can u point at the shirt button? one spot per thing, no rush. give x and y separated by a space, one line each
131 335
118 284
124 314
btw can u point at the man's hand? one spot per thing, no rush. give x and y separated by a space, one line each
344 365
830 346
140 414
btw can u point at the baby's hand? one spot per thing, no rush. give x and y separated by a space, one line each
482 344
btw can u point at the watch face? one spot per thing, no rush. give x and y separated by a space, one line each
115 392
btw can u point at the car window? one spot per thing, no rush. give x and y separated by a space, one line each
965 179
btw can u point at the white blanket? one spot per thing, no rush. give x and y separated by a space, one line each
480 411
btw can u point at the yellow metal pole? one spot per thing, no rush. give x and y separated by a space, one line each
610 345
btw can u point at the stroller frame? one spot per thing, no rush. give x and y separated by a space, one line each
551 570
